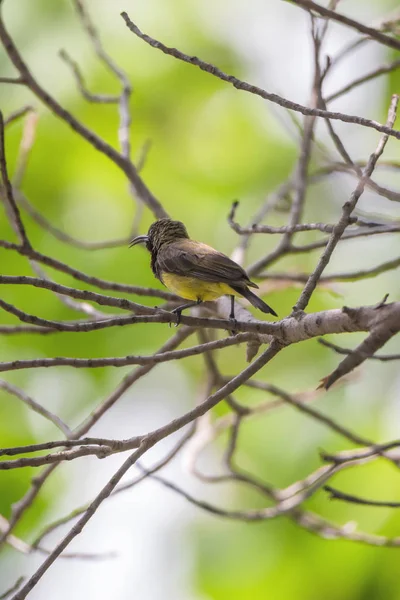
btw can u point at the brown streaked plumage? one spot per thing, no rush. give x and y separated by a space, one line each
193 270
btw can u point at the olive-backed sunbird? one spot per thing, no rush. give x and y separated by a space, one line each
193 270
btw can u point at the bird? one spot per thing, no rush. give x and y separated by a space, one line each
193 270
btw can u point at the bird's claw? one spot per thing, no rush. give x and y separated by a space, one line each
234 324
178 313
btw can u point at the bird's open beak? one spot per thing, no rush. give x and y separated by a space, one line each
140 239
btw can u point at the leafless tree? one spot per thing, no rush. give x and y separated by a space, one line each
264 340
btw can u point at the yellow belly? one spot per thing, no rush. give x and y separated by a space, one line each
191 288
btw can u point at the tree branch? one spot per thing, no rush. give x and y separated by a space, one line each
252 89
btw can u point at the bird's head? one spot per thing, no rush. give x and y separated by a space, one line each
163 231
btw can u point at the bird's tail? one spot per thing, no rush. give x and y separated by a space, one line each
254 300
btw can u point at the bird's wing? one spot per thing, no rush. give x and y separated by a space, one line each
194 259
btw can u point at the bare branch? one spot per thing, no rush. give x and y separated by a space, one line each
90 279
390 265
369 77
68 443
348 208
35 406
56 457
150 440
19 508
340 350
289 330
21 329
99 144
89 96
106 491
74 293
17 114
15 216
374 34
252 89
20 546
12 589
121 488
61 235
338 495
325 227
201 424
379 335
12 80
93 363
373 450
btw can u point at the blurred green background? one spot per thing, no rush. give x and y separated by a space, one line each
210 144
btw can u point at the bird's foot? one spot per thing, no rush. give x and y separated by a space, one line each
234 324
178 313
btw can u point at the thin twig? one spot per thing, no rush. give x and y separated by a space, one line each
12 589
23 329
348 208
80 276
89 96
27 500
247 87
338 495
121 488
17 114
150 440
94 140
390 265
341 350
35 406
364 79
93 363
10 200
372 33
